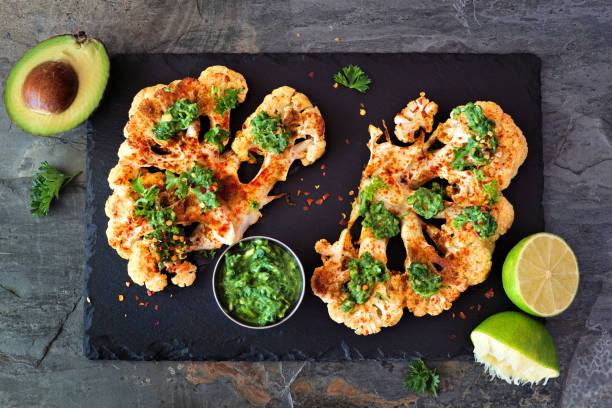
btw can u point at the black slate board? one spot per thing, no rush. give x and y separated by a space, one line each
190 324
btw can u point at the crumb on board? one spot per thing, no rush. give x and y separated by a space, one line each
88 299
298 35
362 112
128 283
462 315
489 293
335 85
305 208
311 74
317 186
453 336
351 193
347 141
120 298
337 39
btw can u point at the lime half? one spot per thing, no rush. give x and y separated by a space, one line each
515 348
540 275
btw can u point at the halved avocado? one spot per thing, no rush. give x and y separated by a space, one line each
57 84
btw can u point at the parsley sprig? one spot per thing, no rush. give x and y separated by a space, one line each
421 379
216 136
269 132
353 77
178 117
423 282
199 180
228 101
45 187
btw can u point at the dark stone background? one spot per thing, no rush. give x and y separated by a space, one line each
41 260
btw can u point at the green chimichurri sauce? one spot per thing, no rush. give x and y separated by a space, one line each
260 283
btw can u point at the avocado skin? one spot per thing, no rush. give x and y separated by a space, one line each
44 124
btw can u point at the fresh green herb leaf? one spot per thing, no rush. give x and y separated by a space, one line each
366 196
227 102
269 132
45 187
427 202
491 189
216 136
166 89
484 224
207 253
421 379
254 205
364 272
481 146
260 282
169 239
423 282
178 117
380 296
199 180
382 222
353 77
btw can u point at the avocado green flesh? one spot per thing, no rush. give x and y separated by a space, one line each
91 63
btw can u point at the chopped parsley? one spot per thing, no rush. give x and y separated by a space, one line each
253 204
491 189
382 222
484 224
353 77
226 102
169 243
215 135
178 117
260 283
207 253
380 296
199 180
167 89
427 202
421 379
269 132
481 146
423 282
364 272
45 187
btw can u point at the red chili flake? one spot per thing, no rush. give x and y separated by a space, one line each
472 307
146 304
322 167
462 315
137 298
288 200
305 208
489 293
156 307
309 201
299 193
343 222
325 196
149 293
319 201
479 307
453 315
347 141
306 193
157 323
311 74
340 198
453 336
324 173
362 105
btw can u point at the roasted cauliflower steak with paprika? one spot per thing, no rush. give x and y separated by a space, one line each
455 176
171 175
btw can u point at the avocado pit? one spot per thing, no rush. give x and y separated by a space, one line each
50 88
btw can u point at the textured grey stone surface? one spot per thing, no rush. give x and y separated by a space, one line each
41 361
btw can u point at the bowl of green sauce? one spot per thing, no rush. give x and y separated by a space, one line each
258 282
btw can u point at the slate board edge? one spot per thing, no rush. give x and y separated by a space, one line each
102 351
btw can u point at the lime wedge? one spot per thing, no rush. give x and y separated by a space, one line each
540 275
515 348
